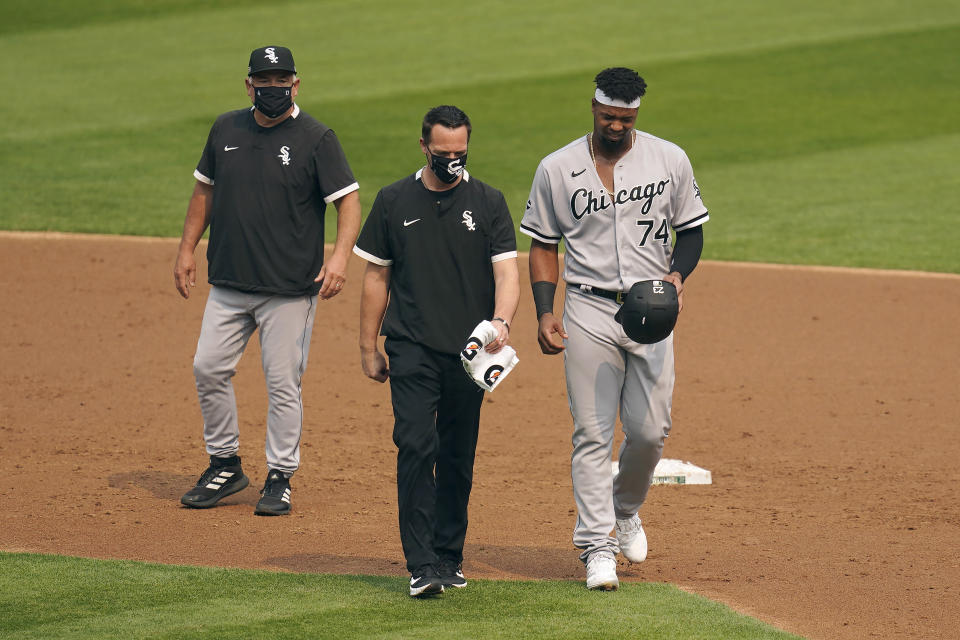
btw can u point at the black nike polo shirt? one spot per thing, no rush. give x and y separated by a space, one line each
440 247
271 186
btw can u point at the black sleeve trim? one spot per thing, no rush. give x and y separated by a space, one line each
692 222
686 252
533 232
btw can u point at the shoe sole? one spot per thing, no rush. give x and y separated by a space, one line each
604 586
455 586
239 485
636 559
448 582
431 589
266 511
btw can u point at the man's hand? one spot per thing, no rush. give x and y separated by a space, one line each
185 273
196 222
674 279
503 334
374 365
333 274
549 325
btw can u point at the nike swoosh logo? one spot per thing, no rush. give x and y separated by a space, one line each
232 148
574 174
407 223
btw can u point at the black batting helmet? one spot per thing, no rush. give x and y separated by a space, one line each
649 311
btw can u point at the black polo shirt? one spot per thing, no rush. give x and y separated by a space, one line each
440 247
271 186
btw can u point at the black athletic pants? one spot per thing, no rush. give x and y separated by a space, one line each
436 407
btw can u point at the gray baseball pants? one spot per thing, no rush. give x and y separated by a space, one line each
285 324
608 372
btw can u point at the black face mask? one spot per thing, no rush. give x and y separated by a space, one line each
272 102
447 170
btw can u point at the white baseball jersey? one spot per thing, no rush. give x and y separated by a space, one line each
614 240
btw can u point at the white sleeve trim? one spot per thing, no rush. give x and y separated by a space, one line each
369 257
339 194
503 256
202 178
696 221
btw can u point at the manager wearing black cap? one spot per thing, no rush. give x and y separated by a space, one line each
262 186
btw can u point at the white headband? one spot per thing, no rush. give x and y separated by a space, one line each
603 98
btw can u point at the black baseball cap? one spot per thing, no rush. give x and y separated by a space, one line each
271 59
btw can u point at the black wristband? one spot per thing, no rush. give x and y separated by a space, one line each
503 321
543 292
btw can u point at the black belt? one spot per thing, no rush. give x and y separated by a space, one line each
616 296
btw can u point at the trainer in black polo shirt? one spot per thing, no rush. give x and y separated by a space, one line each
262 186
441 252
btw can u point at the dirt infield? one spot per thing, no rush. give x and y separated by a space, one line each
824 401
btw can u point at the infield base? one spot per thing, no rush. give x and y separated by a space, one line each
670 471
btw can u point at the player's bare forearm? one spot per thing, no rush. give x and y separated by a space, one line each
196 222
333 274
544 262
506 279
373 304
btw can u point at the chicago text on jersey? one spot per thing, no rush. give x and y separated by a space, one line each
583 201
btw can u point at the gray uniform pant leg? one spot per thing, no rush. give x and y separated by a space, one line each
229 320
607 372
286 326
226 328
645 407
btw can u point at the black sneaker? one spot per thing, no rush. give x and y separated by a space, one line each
425 582
222 478
275 500
451 573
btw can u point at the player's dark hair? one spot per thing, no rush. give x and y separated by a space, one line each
621 83
447 115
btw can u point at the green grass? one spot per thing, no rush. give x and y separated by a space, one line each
820 134
60 597
29 15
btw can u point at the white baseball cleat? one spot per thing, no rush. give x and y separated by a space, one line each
632 539
602 571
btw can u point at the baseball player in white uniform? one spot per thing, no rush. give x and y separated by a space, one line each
613 196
